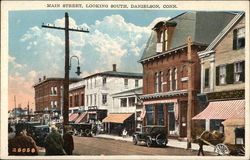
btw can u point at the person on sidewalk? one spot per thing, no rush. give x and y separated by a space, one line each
22 144
54 143
124 133
68 141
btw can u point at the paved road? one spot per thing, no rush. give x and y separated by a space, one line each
102 146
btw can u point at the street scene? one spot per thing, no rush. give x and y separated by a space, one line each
169 84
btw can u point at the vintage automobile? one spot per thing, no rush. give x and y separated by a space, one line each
40 132
82 129
151 135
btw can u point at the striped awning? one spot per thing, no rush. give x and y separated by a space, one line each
73 117
81 118
117 117
234 109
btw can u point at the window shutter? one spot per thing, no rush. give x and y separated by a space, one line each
235 39
207 77
230 73
242 76
217 76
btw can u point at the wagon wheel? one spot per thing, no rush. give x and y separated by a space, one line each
149 142
161 139
221 149
87 132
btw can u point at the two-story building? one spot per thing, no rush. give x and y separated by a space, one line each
223 76
165 68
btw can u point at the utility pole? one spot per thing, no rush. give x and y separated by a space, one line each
66 69
15 105
28 111
190 94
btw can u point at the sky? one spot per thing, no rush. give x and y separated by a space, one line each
115 37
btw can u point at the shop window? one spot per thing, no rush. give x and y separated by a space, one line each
238 38
160 114
150 114
123 102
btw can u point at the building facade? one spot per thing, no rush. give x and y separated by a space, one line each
166 63
49 94
76 97
223 72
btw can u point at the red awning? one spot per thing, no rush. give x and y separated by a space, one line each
73 117
223 110
81 118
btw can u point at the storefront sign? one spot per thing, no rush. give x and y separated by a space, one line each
235 94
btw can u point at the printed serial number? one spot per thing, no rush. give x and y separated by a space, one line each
24 150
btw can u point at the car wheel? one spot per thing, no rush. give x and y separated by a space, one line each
149 142
135 140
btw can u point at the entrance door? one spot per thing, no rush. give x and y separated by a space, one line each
172 123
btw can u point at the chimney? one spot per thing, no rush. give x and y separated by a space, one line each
44 77
114 67
39 79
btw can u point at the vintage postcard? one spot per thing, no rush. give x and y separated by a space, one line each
124 80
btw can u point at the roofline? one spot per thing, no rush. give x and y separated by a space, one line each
56 79
134 89
107 74
222 34
171 50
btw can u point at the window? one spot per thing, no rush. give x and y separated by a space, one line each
126 83
123 102
156 83
52 104
162 44
131 101
95 99
90 96
87 100
166 39
239 72
222 74
161 82
150 114
104 81
53 90
104 99
160 114
95 83
55 104
77 100
239 38
174 75
91 83
169 79
136 83
206 78
82 102
70 101
87 84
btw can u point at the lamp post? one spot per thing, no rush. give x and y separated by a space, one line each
78 72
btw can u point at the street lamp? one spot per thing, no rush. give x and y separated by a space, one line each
78 72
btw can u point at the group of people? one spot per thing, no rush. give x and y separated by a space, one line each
55 144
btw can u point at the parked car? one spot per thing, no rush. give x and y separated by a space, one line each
151 135
82 129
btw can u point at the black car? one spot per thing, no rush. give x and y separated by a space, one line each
40 132
151 135
82 129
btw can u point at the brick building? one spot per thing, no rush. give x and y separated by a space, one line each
76 97
165 71
223 72
49 94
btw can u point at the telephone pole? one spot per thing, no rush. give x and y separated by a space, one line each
66 69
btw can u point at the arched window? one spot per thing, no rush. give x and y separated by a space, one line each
174 79
161 81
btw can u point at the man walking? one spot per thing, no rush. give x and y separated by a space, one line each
68 141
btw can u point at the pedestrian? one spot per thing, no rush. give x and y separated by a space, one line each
201 143
22 144
124 133
54 143
68 141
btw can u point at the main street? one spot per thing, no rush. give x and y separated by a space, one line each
103 146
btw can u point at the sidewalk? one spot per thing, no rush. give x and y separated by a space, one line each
171 142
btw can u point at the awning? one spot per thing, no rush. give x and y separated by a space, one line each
81 118
117 118
73 117
160 101
223 110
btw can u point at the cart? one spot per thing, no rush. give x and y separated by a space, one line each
215 140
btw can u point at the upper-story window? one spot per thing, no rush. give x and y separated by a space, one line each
104 99
239 74
77 100
160 81
222 74
136 83
126 83
174 79
206 84
87 84
70 101
95 83
104 81
169 76
123 102
91 83
239 38
53 90
156 78
162 41
82 99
